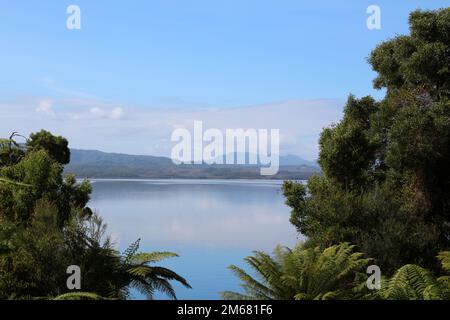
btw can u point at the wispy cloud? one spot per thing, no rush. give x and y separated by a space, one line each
45 106
94 124
116 113
52 85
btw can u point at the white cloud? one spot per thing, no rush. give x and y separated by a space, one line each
96 111
93 124
45 106
115 114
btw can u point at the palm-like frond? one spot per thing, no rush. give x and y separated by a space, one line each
129 253
444 257
79 296
412 282
150 272
146 278
151 257
253 287
302 274
229 295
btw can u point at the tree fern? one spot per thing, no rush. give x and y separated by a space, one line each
131 251
444 258
138 272
409 283
301 273
412 282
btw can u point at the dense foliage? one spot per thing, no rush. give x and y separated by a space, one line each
386 182
302 274
385 189
332 274
385 186
45 226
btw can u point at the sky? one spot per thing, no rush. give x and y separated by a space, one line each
136 70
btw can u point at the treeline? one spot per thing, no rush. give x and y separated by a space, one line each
96 164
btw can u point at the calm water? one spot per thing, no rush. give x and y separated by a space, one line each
209 223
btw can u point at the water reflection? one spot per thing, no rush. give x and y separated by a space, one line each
243 214
219 220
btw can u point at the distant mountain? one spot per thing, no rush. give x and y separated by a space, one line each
97 164
289 160
94 157
292 160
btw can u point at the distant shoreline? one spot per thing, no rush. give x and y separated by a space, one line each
184 179
100 165
187 180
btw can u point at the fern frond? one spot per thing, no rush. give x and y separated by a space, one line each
79 296
410 283
251 285
229 295
152 257
131 251
301 273
444 257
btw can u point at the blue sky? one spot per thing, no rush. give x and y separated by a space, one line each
190 54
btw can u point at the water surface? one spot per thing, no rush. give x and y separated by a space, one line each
209 223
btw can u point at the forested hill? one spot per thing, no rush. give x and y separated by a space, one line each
97 164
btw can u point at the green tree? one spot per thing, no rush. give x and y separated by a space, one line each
35 265
56 147
385 185
37 176
45 226
420 60
10 150
347 152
